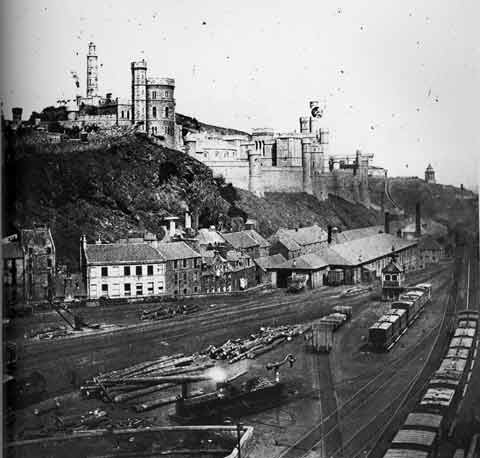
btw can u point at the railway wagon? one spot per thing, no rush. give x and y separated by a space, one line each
425 421
456 352
465 332
406 453
402 313
467 323
396 324
380 335
437 400
409 306
468 315
416 439
444 381
426 287
461 342
419 297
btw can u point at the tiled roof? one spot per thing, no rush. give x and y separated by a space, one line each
12 250
207 236
240 240
269 261
310 261
176 250
263 243
112 253
360 233
367 249
303 235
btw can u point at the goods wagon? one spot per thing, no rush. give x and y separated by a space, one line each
402 313
437 400
396 324
464 323
465 332
427 421
406 453
463 353
415 439
380 335
344 309
461 342
426 287
409 306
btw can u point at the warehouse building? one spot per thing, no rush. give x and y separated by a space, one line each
358 260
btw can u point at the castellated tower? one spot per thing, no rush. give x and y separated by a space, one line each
139 94
92 70
254 169
307 165
160 109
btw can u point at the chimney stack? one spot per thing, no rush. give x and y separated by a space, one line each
171 220
329 239
188 220
387 223
418 220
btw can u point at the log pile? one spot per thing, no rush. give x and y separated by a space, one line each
133 384
165 313
255 345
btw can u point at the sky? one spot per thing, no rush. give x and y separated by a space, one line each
400 79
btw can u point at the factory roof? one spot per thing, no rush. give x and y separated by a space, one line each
310 261
267 262
120 253
176 250
11 250
301 236
367 249
360 233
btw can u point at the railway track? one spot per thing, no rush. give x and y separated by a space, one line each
316 437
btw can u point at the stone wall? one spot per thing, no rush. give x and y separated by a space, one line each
282 179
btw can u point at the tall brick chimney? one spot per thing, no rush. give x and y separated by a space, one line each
387 223
418 220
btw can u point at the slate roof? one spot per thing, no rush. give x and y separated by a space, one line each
12 250
289 243
392 268
360 233
301 236
207 236
122 253
368 249
262 242
176 250
266 262
240 240
310 261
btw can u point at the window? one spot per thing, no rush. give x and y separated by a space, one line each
175 264
387 277
184 276
138 271
128 114
195 289
49 262
185 291
160 287
104 271
149 270
150 288
394 277
126 271
123 114
175 278
184 263
197 262
165 112
154 112
166 93
104 290
127 289
154 94
175 292
139 289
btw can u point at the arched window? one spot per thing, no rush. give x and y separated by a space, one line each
123 114
154 94
154 112
128 114
166 112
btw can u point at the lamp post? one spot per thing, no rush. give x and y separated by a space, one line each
229 421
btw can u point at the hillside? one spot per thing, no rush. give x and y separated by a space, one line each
192 124
300 209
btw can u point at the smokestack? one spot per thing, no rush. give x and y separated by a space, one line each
171 220
387 223
418 221
329 239
188 220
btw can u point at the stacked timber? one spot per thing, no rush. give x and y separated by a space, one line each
147 379
255 345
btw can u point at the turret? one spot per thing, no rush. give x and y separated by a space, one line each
92 70
255 172
307 165
160 109
139 94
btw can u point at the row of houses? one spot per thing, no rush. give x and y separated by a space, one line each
208 261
